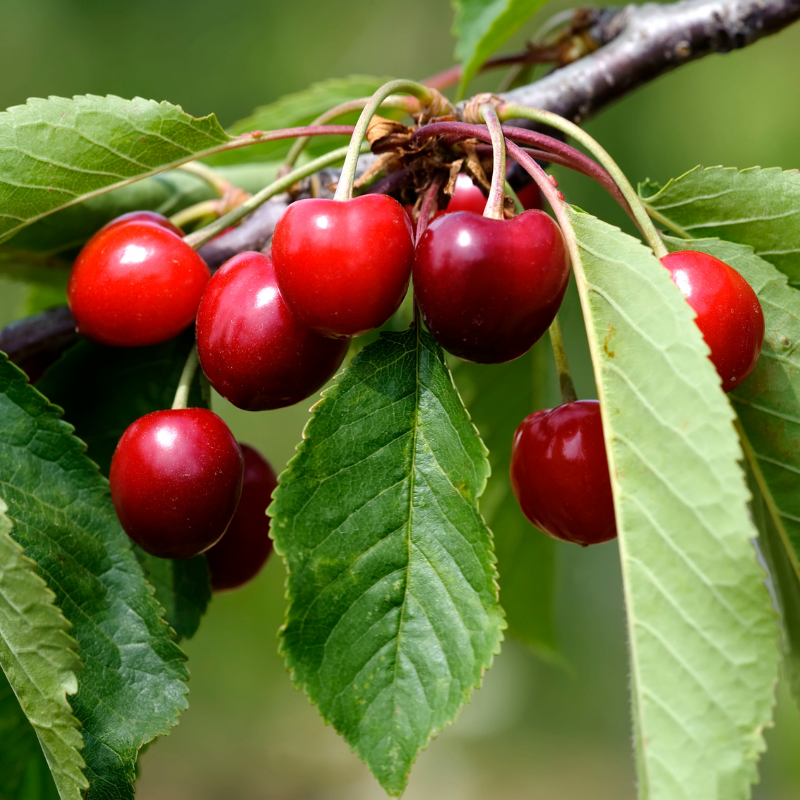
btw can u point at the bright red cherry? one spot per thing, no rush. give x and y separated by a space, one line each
343 267
728 312
467 196
559 473
241 553
175 480
145 216
255 352
135 283
487 288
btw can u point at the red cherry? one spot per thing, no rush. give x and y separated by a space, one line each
531 197
175 480
729 314
343 267
241 553
466 196
145 216
254 351
487 288
559 473
134 284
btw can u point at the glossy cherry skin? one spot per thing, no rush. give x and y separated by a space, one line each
134 284
343 267
145 216
255 352
487 288
176 477
466 196
728 312
559 473
241 553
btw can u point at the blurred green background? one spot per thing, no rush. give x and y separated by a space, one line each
534 731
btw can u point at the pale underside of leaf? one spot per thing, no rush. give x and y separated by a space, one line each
393 612
39 661
132 687
703 634
755 207
57 152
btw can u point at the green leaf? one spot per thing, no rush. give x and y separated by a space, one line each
703 634
393 613
482 26
297 109
498 398
768 405
24 773
102 391
756 207
56 153
132 687
39 662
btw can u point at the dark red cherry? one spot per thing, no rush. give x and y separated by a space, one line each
175 480
343 267
559 473
487 288
241 553
135 283
531 197
145 216
255 352
728 312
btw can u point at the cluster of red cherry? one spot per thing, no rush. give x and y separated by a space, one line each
272 331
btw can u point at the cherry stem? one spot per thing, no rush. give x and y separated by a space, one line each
185 382
206 208
563 154
427 206
219 184
199 238
646 226
568 393
494 204
411 105
344 191
518 207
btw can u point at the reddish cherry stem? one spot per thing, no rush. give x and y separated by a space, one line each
428 204
568 156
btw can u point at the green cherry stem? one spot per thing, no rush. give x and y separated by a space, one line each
494 203
518 207
508 111
201 210
568 393
210 176
185 382
411 105
344 191
199 238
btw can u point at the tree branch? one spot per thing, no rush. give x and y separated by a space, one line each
641 43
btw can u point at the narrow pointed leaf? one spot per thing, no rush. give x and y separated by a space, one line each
103 390
702 630
756 207
38 659
57 152
482 26
498 398
132 687
393 612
